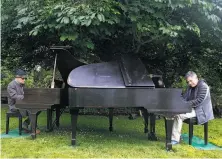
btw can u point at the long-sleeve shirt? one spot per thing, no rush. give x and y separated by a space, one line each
196 95
15 92
200 99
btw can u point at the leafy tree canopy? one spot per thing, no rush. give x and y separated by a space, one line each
170 36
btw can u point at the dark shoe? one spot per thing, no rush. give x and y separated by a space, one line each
29 131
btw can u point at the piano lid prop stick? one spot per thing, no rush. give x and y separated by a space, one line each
53 77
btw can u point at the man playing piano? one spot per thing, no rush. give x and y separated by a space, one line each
15 92
197 95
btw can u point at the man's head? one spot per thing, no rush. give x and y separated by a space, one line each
191 78
20 76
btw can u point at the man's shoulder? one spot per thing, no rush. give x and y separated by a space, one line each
12 83
202 84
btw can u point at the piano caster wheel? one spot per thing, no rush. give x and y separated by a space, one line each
74 143
110 128
168 146
145 130
152 137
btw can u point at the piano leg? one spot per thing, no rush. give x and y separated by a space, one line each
49 120
57 115
33 114
152 134
168 128
146 117
59 109
74 115
110 119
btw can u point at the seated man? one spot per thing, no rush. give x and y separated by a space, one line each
15 92
197 95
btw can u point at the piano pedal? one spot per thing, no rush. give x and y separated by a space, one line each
168 146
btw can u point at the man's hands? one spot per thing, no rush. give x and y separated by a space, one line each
15 110
20 97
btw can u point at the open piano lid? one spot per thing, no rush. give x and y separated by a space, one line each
128 72
66 62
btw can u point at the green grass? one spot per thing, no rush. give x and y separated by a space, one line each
95 141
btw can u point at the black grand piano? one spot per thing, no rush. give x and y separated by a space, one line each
119 84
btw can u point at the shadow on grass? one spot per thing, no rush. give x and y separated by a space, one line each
92 134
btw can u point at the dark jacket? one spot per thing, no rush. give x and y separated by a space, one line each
15 92
201 102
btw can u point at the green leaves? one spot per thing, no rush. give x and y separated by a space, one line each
33 32
171 30
70 37
101 17
90 45
65 20
171 35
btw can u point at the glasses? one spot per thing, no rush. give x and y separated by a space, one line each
24 78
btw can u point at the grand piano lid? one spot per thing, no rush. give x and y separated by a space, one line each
134 72
125 73
99 75
66 62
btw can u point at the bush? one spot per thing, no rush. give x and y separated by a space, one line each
41 79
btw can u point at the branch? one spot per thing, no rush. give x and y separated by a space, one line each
108 39
148 41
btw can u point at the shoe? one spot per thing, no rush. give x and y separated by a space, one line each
173 142
29 131
37 131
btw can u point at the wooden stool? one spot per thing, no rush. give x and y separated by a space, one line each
192 122
13 114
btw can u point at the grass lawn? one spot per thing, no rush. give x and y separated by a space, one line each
95 141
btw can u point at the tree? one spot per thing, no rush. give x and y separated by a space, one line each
170 36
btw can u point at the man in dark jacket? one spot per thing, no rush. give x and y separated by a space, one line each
15 92
198 95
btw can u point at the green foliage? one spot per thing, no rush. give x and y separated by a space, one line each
181 83
171 36
35 79
6 77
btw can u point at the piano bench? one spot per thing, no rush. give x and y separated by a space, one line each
192 122
13 114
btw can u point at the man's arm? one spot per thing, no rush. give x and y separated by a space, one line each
201 94
13 94
185 94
